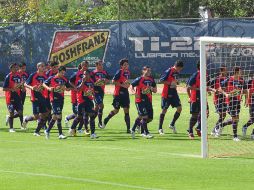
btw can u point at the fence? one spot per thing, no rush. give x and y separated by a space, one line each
157 43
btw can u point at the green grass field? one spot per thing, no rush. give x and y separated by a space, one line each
115 160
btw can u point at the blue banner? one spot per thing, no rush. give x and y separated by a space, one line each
155 43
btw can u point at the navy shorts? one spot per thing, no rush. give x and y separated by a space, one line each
47 103
195 107
251 109
234 107
23 97
173 101
86 107
15 105
39 106
221 107
57 107
98 98
75 108
145 109
122 100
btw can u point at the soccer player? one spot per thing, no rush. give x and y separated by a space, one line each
24 76
85 95
193 91
100 77
145 86
12 87
40 111
233 89
121 94
56 85
219 98
169 95
74 79
250 103
51 72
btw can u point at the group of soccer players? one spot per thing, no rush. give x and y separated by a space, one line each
48 84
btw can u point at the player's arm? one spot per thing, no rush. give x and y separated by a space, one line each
154 87
116 78
80 84
164 77
72 81
47 86
135 84
28 83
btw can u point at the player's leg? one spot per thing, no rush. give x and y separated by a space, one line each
164 107
250 121
78 118
176 103
194 111
11 110
42 111
99 107
116 105
235 118
71 116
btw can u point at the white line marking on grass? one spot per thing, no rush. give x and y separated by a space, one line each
79 179
115 148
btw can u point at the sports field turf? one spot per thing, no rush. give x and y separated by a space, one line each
115 161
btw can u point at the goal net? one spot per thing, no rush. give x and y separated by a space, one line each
227 84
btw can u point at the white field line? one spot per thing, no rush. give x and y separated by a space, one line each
115 148
79 180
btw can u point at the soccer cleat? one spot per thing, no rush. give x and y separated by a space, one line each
138 128
37 134
80 131
213 133
133 134
191 136
12 130
161 132
198 132
46 134
7 118
103 124
86 131
252 136
24 123
236 139
128 131
93 136
62 136
244 130
173 128
143 135
149 136
66 121
72 132
218 131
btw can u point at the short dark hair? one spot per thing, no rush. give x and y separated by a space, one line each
79 66
22 64
12 65
179 63
97 62
146 67
54 63
236 69
222 68
122 61
62 68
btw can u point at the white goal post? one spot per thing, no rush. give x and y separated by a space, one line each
203 85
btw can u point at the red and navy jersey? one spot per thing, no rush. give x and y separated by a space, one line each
194 81
98 75
74 79
234 87
170 75
12 80
143 92
51 73
55 81
86 92
121 76
36 79
216 84
24 76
